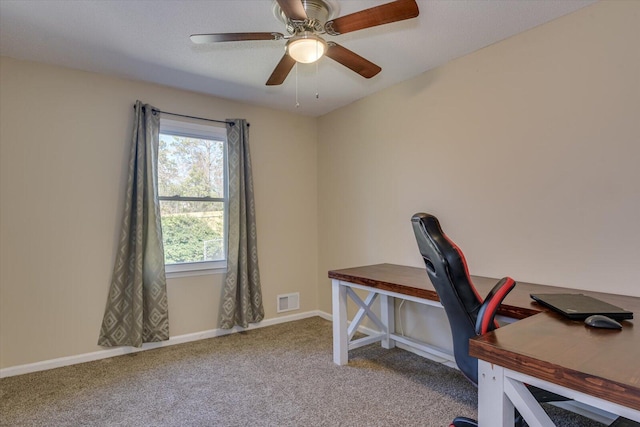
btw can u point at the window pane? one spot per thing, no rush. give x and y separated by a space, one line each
192 231
190 167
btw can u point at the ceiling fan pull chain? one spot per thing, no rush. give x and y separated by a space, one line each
317 94
297 103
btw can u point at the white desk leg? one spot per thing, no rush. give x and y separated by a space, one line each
340 334
494 408
387 313
529 408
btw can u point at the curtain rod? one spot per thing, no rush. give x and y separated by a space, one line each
155 110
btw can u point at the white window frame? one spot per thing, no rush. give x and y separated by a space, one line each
195 130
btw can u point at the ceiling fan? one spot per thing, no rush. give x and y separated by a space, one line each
306 20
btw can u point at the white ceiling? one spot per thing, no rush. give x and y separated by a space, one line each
149 40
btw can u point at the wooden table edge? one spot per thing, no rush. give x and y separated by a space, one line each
511 311
606 389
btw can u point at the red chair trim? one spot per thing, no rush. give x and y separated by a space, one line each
495 302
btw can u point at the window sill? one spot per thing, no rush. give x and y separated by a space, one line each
195 269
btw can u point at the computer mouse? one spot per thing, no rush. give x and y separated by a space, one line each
600 321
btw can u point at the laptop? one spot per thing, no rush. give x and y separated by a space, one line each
579 306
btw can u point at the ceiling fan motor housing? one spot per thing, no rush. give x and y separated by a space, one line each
318 13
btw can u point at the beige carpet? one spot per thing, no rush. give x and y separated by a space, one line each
281 375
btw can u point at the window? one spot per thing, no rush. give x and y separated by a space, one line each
192 188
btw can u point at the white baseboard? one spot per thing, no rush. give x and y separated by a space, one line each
119 351
325 315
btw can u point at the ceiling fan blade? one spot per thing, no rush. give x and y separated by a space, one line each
352 60
384 14
281 71
233 37
293 9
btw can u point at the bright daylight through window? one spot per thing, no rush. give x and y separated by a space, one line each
192 187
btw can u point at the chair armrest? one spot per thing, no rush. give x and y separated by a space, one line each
491 303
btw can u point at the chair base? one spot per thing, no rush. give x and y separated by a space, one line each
468 422
463 422
623 422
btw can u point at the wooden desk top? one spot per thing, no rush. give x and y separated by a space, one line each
600 362
415 282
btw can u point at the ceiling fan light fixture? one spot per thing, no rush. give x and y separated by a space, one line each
306 47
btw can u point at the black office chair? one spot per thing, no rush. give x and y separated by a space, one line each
468 314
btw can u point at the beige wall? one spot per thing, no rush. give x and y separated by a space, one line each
528 151
64 136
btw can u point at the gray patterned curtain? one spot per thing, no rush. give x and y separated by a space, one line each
242 295
137 309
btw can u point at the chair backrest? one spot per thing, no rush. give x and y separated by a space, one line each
447 269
